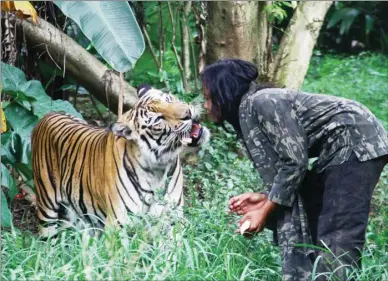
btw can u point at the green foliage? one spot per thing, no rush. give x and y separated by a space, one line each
277 11
30 95
112 29
362 22
159 27
26 103
6 216
222 181
169 77
346 16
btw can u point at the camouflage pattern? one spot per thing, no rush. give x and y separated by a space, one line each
281 130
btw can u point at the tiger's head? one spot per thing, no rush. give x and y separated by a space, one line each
161 125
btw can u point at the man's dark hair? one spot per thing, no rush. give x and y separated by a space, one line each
227 81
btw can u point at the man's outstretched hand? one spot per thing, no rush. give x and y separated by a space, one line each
246 202
256 210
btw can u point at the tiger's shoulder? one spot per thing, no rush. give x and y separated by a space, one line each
63 122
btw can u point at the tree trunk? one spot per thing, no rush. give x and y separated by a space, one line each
240 29
296 46
89 71
8 34
264 45
186 44
232 30
200 24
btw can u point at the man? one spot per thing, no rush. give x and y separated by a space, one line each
281 130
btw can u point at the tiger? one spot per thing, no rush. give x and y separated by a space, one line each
100 175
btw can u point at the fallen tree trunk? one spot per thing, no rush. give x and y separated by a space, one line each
98 79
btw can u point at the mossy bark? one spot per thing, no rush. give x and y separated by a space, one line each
232 30
297 44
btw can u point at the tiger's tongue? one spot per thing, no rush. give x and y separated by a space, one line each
195 130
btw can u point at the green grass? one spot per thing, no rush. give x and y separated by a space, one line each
207 248
363 78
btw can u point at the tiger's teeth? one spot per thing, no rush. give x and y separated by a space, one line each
186 141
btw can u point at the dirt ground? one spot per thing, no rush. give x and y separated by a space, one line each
24 215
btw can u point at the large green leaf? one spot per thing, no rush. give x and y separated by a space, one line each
346 16
369 22
7 152
6 216
8 181
11 77
24 170
15 84
111 27
21 120
17 149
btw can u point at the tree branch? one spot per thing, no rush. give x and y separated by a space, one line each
148 40
88 70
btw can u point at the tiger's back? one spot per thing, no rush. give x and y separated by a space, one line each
68 159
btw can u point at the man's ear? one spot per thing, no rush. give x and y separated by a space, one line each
121 130
143 89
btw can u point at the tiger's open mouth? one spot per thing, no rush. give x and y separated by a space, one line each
195 134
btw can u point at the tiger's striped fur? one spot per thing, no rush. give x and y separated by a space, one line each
101 175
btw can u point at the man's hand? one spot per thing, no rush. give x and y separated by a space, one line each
246 202
258 217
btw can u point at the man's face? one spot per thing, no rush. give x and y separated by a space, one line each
213 112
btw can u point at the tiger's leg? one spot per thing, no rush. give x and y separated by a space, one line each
46 210
45 182
48 221
174 194
116 217
173 203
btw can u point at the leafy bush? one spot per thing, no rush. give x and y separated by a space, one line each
357 25
24 103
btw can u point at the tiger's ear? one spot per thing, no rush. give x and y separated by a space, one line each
143 89
121 130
